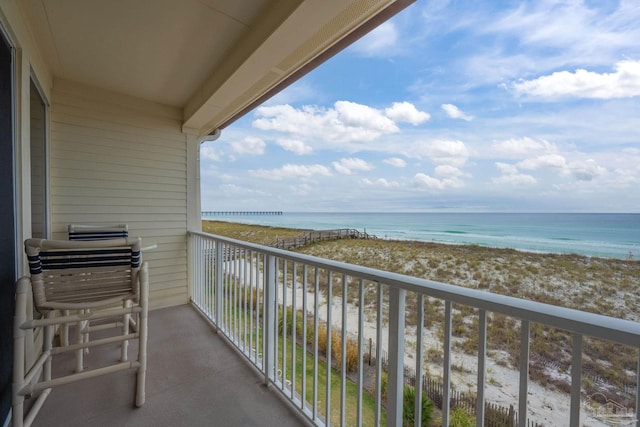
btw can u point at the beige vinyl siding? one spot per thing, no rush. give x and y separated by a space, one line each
116 159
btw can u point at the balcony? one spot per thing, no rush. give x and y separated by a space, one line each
193 378
258 299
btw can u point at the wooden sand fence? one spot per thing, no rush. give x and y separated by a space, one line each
319 236
495 415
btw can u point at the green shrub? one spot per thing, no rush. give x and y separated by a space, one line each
408 405
351 353
298 321
459 417
383 385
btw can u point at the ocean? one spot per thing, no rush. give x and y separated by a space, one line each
601 235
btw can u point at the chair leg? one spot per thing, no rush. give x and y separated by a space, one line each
80 340
86 327
47 345
142 338
125 331
64 331
20 316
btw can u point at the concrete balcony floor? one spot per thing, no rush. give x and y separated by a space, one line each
194 378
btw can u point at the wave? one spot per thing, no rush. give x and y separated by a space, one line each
455 232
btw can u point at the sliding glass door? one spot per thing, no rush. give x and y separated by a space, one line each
7 225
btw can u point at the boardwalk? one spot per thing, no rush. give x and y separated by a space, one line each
320 235
231 252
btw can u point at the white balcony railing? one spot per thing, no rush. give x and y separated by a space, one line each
260 298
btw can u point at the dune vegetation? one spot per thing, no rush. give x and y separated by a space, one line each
604 286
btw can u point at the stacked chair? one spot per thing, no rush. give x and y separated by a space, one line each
97 232
78 283
82 232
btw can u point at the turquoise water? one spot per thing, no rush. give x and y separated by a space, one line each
603 235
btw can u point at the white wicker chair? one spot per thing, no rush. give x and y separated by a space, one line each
95 232
77 276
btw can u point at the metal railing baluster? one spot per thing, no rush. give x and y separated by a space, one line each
482 369
525 333
316 284
419 361
343 353
294 320
446 375
360 350
378 416
576 380
328 355
303 387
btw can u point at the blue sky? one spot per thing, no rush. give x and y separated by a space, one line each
451 106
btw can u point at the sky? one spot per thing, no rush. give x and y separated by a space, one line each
451 106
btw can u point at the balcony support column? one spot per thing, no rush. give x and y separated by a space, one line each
395 385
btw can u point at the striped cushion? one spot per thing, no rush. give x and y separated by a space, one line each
97 235
60 260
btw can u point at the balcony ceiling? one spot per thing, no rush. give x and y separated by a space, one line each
212 58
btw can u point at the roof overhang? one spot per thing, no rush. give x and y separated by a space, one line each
214 59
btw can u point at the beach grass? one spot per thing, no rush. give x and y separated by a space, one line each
260 234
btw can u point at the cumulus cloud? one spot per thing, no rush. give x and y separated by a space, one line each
520 148
516 179
511 176
547 161
295 146
585 170
379 41
249 145
210 153
455 113
301 190
381 182
233 189
440 151
346 122
357 115
425 181
406 112
506 168
624 82
350 165
581 170
395 162
623 178
448 170
292 171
